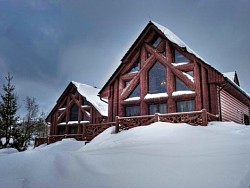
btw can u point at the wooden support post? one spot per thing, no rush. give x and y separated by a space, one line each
204 117
116 124
84 132
157 119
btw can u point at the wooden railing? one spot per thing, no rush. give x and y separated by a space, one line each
193 118
90 131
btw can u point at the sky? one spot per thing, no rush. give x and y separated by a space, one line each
46 44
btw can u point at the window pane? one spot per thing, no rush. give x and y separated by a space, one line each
185 106
191 73
84 117
61 130
157 79
162 108
179 58
156 42
135 67
180 86
157 108
74 113
73 129
132 111
135 92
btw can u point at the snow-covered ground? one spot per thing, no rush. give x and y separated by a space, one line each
159 155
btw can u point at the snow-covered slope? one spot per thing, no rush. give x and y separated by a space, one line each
159 155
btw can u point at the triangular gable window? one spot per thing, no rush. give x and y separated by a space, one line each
135 92
180 86
148 55
135 67
179 58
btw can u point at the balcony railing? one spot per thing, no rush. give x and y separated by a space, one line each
90 131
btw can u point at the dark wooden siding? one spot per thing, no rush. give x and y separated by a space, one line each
232 109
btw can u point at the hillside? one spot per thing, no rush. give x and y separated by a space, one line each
159 155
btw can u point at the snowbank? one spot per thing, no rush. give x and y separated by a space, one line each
159 155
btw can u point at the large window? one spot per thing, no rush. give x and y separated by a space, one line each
132 111
185 106
135 92
157 108
157 79
179 58
180 86
74 113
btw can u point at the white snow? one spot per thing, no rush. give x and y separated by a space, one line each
91 94
132 99
230 75
177 93
156 95
189 77
61 109
175 39
159 155
178 64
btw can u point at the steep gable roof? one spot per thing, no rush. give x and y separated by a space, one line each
174 39
87 91
91 95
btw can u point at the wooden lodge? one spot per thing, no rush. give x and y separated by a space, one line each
161 74
159 79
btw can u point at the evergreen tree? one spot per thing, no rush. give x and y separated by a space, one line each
8 109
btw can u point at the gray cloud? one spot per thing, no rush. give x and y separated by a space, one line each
46 44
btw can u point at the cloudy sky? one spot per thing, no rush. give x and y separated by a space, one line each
46 44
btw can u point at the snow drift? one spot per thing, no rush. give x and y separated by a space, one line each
159 155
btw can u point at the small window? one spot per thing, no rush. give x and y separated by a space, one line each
60 130
126 83
156 41
164 53
185 106
132 111
190 73
135 67
157 108
135 92
84 117
179 58
73 129
74 113
85 102
63 119
180 86
157 79
148 55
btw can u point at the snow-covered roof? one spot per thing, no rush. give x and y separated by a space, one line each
230 75
91 95
175 39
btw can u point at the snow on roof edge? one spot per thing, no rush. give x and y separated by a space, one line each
91 94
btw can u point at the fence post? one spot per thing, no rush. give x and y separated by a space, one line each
84 132
116 124
48 140
157 119
204 117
